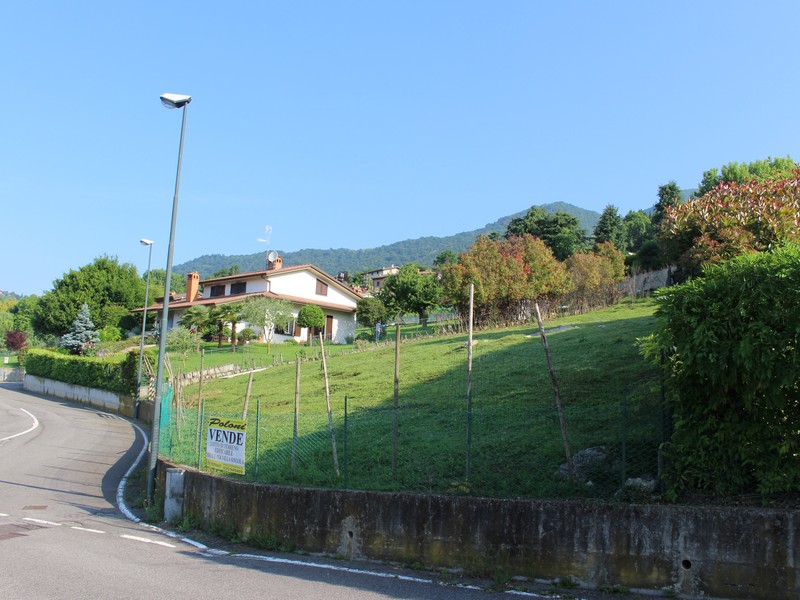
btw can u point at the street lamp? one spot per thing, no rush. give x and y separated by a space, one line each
170 101
149 243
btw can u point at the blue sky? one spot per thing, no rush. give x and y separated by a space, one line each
356 124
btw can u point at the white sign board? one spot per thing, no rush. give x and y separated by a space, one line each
225 444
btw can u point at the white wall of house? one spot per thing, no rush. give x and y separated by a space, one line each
303 284
344 326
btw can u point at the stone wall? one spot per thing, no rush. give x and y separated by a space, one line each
695 551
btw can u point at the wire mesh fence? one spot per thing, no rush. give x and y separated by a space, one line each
501 449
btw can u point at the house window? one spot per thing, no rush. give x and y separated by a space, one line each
238 288
217 290
322 288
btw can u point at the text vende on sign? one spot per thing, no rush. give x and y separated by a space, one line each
225 444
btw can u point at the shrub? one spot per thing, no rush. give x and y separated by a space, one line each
245 335
110 333
182 341
731 339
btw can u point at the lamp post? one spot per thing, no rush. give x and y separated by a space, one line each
148 243
170 101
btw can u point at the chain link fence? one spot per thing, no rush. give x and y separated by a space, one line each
500 449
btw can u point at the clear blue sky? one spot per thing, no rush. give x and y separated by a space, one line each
355 124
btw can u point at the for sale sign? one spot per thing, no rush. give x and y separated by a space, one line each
225 444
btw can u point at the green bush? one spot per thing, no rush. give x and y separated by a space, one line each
104 374
110 333
245 335
130 368
729 342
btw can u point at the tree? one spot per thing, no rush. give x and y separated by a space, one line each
102 283
227 272
158 278
759 171
15 340
669 196
507 275
222 315
610 228
267 314
649 257
529 223
638 229
411 291
23 312
6 323
81 337
312 317
195 319
560 231
445 257
182 341
370 311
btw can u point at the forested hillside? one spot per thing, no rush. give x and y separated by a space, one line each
335 260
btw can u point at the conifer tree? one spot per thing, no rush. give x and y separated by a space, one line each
81 337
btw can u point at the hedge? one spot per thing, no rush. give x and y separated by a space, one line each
100 373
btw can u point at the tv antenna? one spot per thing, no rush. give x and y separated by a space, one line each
267 233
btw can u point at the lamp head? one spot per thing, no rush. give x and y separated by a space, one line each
175 100
146 242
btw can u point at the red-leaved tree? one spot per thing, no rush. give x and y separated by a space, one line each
15 340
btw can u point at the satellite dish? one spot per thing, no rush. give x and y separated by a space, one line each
272 256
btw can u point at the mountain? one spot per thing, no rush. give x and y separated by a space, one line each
335 260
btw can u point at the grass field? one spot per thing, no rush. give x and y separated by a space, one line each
610 397
12 358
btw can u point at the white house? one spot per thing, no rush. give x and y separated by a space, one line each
300 285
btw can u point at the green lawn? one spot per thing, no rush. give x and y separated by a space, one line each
10 360
610 397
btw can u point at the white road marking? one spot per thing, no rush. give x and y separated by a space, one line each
3 515
122 484
147 541
34 426
41 522
87 529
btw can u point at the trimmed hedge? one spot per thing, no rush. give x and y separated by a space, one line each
100 373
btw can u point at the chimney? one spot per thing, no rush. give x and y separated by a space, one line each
275 264
192 285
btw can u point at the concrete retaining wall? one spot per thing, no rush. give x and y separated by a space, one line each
10 375
103 399
695 551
